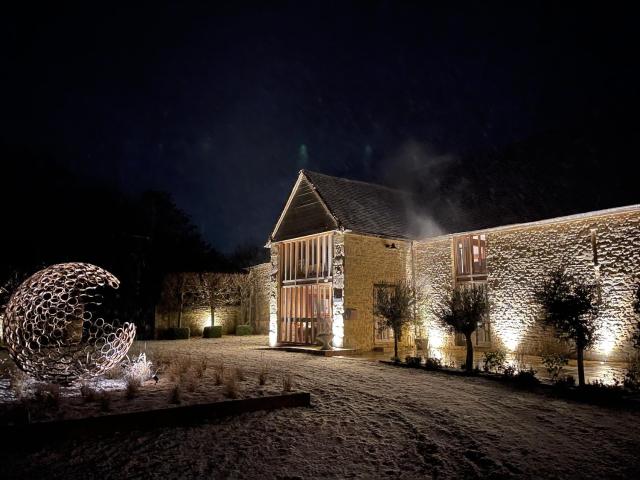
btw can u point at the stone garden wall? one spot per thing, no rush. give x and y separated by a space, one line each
600 247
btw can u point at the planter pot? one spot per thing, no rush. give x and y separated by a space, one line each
325 339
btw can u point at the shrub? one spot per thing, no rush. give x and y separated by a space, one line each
263 374
601 392
190 382
201 367
632 375
18 383
175 396
105 401
244 330
174 333
179 367
219 373
47 395
563 383
554 363
114 373
239 374
133 387
137 370
231 387
212 332
526 377
88 392
509 372
494 361
433 363
287 383
414 362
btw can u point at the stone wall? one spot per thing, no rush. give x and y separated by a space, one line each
368 261
273 296
255 308
198 317
433 277
519 258
251 307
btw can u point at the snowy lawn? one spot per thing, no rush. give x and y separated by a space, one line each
367 421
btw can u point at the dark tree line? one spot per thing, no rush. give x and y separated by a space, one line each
51 215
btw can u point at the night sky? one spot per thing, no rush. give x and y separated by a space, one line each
222 105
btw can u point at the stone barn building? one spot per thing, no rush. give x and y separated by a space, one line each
337 240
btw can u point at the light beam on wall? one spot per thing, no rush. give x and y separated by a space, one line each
337 327
606 340
273 329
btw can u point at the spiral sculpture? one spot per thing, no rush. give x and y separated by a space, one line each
53 325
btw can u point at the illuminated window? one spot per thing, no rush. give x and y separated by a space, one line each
471 257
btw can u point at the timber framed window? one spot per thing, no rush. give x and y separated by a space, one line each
470 259
306 288
306 259
305 311
470 254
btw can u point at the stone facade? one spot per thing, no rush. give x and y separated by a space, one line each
600 247
433 278
367 262
255 310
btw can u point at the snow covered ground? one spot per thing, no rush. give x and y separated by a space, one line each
368 420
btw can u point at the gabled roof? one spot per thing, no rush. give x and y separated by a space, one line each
359 206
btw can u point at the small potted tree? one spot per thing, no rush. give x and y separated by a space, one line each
393 304
464 309
570 307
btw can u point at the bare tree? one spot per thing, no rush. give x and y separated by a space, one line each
394 302
571 308
175 288
464 310
221 289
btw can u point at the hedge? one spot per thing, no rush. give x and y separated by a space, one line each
174 333
244 330
212 332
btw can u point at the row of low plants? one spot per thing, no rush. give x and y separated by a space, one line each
37 400
184 333
517 372
568 306
496 366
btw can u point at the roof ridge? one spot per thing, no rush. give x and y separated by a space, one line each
377 185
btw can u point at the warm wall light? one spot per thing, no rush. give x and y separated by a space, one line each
606 341
338 324
273 329
510 336
437 340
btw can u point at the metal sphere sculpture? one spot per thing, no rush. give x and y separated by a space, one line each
53 327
